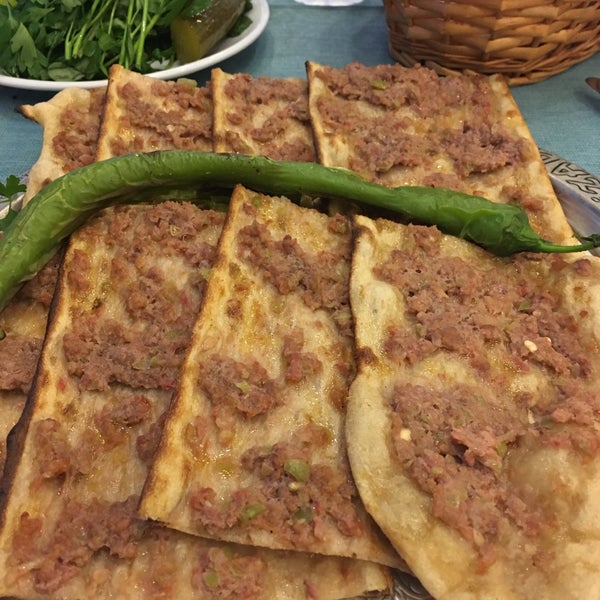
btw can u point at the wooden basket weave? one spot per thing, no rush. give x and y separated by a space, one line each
525 40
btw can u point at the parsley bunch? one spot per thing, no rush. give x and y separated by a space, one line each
76 40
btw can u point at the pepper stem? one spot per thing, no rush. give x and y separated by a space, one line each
586 244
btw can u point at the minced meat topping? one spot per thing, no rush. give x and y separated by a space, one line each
243 388
236 387
82 531
291 493
457 306
267 108
184 122
320 278
69 453
454 441
78 133
18 356
227 573
19 352
415 116
101 350
452 444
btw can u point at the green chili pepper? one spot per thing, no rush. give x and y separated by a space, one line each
65 203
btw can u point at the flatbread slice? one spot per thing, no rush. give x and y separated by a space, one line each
71 120
144 114
253 448
265 116
473 423
22 329
81 450
410 126
130 287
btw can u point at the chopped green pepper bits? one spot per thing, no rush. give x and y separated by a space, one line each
251 511
304 513
298 469
210 579
243 386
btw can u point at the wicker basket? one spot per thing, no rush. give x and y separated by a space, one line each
526 40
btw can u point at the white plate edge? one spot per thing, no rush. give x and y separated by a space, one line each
259 14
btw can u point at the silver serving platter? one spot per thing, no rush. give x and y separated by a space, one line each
578 192
407 587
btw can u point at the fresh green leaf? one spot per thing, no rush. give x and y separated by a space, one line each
9 190
80 39
57 72
11 187
23 47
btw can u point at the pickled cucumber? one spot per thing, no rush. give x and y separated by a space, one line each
201 25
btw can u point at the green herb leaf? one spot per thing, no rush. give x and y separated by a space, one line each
23 47
11 187
9 190
79 40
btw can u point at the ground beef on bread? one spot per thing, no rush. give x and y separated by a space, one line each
504 318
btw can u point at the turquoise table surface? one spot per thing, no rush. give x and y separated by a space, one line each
562 112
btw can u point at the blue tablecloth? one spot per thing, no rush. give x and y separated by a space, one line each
562 112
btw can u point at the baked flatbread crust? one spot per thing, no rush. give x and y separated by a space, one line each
71 119
265 116
253 449
144 114
23 325
75 458
472 423
409 126
70 122
131 284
